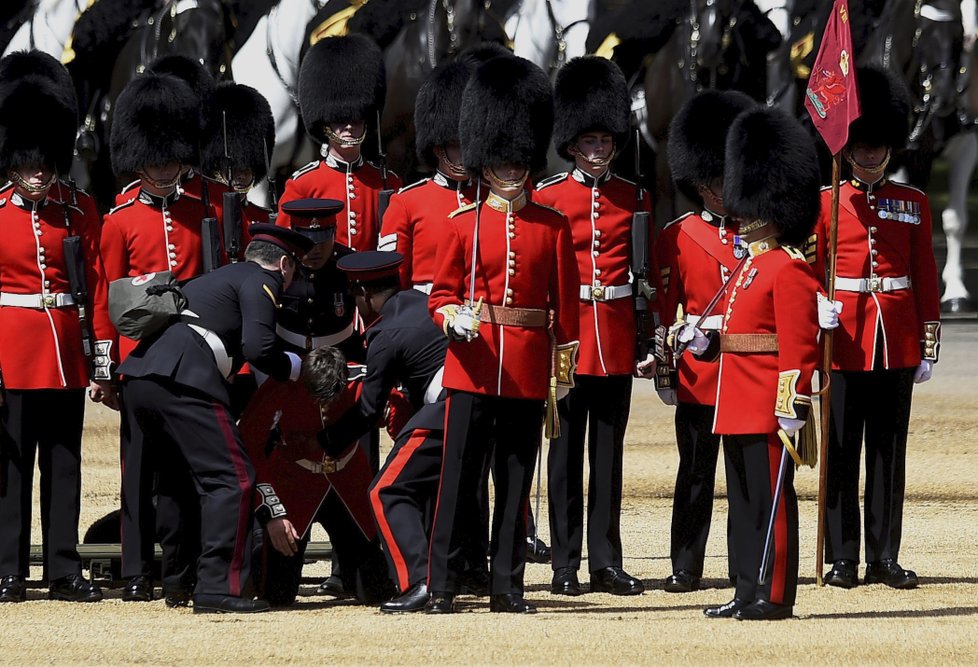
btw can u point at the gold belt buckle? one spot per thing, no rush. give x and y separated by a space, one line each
875 284
597 293
48 300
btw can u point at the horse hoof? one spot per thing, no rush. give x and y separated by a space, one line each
957 305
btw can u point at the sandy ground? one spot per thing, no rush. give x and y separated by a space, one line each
935 624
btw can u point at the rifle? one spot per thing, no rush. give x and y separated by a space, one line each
232 203
640 263
384 196
270 180
78 283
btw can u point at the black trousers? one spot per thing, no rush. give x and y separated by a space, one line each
473 424
692 502
598 406
752 463
202 430
874 405
147 516
46 425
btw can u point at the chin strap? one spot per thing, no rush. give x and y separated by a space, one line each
336 139
161 185
873 171
593 161
29 187
504 184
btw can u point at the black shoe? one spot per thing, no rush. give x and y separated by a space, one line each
13 588
725 611
537 551
565 582
474 582
138 589
762 610
74 588
511 603
681 581
843 574
440 603
176 597
227 604
616 581
890 573
413 599
333 585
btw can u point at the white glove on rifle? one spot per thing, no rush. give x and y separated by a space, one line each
828 312
790 426
924 371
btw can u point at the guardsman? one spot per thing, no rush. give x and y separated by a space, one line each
47 317
155 135
177 389
506 290
591 125
696 254
342 84
767 346
888 337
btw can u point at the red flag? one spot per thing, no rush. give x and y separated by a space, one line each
831 96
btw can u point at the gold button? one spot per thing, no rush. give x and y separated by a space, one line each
512 235
512 272
509 292
597 233
872 230
512 254
509 301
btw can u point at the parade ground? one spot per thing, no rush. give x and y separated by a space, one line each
934 624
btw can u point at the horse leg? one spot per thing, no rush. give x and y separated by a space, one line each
962 155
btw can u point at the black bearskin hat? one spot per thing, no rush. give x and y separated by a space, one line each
437 109
507 115
771 173
590 93
38 112
250 130
341 79
156 121
885 103
480 53
191 72
698 138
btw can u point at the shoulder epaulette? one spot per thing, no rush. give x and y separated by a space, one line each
552 180
679 219
462 209
793 252
305 170
909 187
810 248
122 206
626 180
6 186
550 208
413 185
129 186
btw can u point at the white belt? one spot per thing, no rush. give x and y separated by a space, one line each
872 284
39 301
602 293
217 347
433 391
714 322
423 287
312 342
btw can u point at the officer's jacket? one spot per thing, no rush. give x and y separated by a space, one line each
148 234
525 260
356 184
415 222
884 234
773 293
238 303
600 216
405 348
695 257
41 345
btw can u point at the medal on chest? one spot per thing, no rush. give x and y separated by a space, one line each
899 210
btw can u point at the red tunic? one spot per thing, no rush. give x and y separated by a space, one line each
526 260
355 184
415 223
193 185
41 348
144 235
695 258
895 246
773 293
600 217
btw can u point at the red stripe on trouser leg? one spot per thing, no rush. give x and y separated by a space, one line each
779 566
244 509
391 472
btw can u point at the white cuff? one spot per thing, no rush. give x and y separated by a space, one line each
296 362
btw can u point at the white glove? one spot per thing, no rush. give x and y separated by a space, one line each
828 312
646 368
790 426
667 396
694 339
466 324
924 371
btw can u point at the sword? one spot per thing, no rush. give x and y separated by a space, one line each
778 490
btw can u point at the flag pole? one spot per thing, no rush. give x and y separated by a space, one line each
826 389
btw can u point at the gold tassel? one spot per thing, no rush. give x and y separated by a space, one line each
808 441
552 424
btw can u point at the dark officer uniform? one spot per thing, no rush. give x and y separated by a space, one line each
177 387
